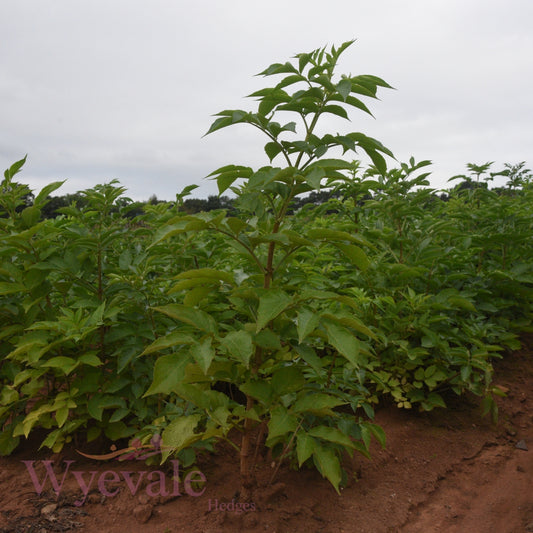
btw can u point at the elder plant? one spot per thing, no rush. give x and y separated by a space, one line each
290 352
75 312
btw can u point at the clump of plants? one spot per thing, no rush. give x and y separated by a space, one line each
277 324
294 351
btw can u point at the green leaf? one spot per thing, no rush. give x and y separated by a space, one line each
207 273
378 433
15 168
344 342
295 238
337 164
306 323
355 255
61 416
42 197
195 296
225 176
8 395
8 443
224 181
239 346
31 216
331 434
228 168
180 432
351 322
203 353
119 414
97 316
173 339
279 68
219 123
267 91
66 364
267 339
366 436
378 160
290 80
355 102
179 227
320 404
260 390
281 422
271 100
186 191
235 224
99 402
203 399
344 88
310 357
272 149
169 371
194 317
462 303
94 408
90 359
314 177
369 143
305 446
436 400
328 465
373 80
342 48
11 288
186 284
329 235
287 379
321 79
93 433
336 110
118 430
466 371
271 304
303 60
290 126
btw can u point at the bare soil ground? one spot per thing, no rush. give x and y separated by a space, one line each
446 471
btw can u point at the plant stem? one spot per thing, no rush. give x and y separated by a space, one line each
247 478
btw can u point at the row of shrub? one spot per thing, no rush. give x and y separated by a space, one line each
276 321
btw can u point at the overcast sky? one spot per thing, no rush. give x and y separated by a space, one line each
95 90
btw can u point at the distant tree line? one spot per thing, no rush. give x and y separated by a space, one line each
190 206
517 175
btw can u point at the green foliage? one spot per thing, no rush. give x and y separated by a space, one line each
75 316
269 315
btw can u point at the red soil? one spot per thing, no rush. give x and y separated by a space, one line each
446 471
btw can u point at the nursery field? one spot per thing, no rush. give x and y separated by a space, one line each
444 471
320 355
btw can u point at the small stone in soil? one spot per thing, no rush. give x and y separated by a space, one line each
49 509
521 445
143 513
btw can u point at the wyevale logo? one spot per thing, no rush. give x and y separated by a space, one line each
106 482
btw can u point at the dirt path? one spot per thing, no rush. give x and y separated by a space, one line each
448 471
492 490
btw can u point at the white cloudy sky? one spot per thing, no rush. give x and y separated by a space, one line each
94 90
